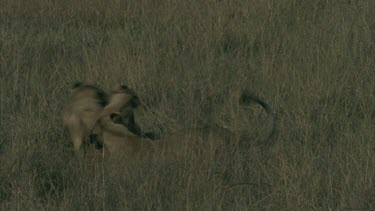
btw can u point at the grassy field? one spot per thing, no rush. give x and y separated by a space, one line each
313 61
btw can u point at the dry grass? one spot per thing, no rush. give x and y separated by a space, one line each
312 60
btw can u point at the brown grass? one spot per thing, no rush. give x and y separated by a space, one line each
313 61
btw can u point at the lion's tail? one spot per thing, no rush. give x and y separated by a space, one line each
247 99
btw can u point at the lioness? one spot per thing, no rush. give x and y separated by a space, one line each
124 100
120 141
89 103
81 112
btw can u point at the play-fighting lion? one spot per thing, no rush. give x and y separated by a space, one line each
119 140
88 104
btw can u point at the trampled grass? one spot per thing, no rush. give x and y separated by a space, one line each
313 61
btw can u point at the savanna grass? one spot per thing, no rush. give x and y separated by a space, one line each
313 61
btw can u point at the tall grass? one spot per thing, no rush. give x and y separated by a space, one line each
313 61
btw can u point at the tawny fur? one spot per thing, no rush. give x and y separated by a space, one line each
119 141
82 110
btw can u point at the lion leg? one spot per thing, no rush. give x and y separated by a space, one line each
77 133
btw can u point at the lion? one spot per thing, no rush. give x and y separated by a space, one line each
119 140
124 100
81 113
89 103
